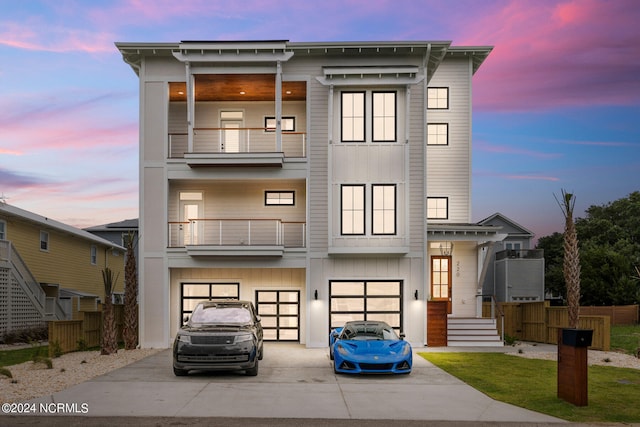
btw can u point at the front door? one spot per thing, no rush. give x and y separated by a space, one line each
230 142
441 286
191 207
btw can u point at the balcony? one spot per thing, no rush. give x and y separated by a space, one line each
237 237
237 147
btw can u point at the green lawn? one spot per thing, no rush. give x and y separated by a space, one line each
614 393
625 338
14 357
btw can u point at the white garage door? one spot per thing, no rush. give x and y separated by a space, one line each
366 300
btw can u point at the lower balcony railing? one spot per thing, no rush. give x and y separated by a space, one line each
237 232
240 140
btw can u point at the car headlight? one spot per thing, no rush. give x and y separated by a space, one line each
243 338
406 350
184 338
343 351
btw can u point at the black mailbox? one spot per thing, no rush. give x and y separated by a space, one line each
577 337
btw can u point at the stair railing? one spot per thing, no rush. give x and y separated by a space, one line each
496 310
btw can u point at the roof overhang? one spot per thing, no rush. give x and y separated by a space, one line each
465 232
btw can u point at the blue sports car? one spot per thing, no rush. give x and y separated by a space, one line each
369 347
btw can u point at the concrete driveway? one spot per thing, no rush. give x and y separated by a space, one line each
294 382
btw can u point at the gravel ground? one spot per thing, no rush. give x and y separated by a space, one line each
594 357
30 380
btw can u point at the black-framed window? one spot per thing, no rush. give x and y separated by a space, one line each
437 207
438 134
280 314
279 198
352 107
3 230
352 204
94 255
438 98
384 112
383 207
288 124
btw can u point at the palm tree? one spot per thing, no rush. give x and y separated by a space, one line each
109 334
130 330
571 264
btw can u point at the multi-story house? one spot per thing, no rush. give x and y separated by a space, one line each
322 181
518 268
50 270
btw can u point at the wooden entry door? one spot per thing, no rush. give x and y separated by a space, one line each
441 285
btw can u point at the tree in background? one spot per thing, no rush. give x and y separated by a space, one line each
109 333
609 239
130 329
571 264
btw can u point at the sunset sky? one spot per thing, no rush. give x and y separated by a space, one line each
556 104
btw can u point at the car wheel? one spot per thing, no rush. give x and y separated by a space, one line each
335 370
261 354
330 354
179 372
253 371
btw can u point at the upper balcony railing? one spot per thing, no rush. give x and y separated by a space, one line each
237 140
520 254
237 232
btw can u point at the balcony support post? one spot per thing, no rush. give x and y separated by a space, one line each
190 106
278 101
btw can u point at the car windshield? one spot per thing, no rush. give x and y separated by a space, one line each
221 314
369 331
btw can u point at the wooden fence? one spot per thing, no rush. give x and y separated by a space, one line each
70 335
620 315
538 322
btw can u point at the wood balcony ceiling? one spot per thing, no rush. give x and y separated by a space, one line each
238 87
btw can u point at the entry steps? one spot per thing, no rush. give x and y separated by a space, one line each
472 332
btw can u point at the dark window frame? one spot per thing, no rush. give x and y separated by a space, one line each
395 115
395 209
273 129
343 118
293 198
364 207
447 134
447 208
448 98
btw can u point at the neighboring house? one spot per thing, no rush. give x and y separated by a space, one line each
299 176
50 270
119 233
518 270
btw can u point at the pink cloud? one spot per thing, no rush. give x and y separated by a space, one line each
41 36
527 177
510 149
556 54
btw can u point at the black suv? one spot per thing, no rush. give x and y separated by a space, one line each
219 335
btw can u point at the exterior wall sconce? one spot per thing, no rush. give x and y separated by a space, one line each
446 248
415 295
315 294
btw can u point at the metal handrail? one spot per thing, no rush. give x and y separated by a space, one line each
494 307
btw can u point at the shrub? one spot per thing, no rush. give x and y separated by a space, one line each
6 372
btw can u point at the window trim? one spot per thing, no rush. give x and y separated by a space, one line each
3 229
438 98
436 134
383 210
279 192
93 255
395 115
446 199
343 117
44 241
268 128
362 209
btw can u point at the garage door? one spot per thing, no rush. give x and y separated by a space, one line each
366 300
191 293
280 313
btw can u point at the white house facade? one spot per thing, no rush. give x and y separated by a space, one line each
323 181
